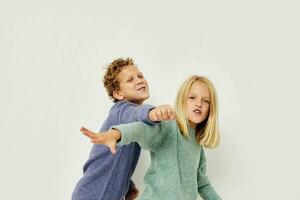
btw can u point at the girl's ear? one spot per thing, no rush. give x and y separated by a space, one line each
118 95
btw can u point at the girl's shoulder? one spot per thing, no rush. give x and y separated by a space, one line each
170 125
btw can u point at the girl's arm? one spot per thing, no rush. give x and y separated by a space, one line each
108 138
148 137
205 189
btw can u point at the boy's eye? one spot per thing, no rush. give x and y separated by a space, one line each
129 80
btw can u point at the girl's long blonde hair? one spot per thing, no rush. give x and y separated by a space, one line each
207 132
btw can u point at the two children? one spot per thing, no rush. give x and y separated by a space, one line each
178 164
107 176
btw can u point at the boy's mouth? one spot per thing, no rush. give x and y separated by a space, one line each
142 88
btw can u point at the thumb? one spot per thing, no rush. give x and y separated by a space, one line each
112 148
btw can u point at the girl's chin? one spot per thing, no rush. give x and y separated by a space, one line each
194 122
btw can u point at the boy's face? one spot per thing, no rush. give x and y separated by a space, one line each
133 85
197 105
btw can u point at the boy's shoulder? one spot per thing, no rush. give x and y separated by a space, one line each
121 105
118 111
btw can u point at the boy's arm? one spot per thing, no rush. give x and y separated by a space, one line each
130 112
131 184
205 189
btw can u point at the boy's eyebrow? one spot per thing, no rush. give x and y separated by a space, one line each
132 76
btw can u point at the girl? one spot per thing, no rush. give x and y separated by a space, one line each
178 164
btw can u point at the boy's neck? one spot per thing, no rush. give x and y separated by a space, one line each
135 102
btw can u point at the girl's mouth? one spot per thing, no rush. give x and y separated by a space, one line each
197 111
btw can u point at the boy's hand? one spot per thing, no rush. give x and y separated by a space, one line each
132 193
108 138
162 112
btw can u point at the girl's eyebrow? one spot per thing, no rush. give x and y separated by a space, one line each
191 93
194 94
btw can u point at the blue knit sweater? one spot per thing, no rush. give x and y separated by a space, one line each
107 176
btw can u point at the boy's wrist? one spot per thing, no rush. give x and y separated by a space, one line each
150 115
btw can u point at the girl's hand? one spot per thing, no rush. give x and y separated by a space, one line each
108 138
162 112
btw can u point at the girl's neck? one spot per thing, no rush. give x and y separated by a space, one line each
192 125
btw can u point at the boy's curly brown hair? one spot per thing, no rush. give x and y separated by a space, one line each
110 80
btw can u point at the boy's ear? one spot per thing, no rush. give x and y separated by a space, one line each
118 95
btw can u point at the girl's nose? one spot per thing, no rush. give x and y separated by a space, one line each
198 104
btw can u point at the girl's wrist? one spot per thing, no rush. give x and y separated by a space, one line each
117 134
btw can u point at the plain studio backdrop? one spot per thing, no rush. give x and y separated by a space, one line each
52 59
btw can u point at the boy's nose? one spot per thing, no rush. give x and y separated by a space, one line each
140 81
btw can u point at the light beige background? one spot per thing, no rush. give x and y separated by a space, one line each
52 54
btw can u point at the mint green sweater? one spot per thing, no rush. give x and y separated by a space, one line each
178 165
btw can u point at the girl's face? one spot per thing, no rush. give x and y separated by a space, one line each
197 106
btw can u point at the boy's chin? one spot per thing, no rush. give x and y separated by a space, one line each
141 99
144 98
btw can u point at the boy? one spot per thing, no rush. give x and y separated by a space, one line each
107 176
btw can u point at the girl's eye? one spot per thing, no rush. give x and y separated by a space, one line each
206 101
191 97
141 76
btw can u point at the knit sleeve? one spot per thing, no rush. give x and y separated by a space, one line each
205 189
148 137
127 112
